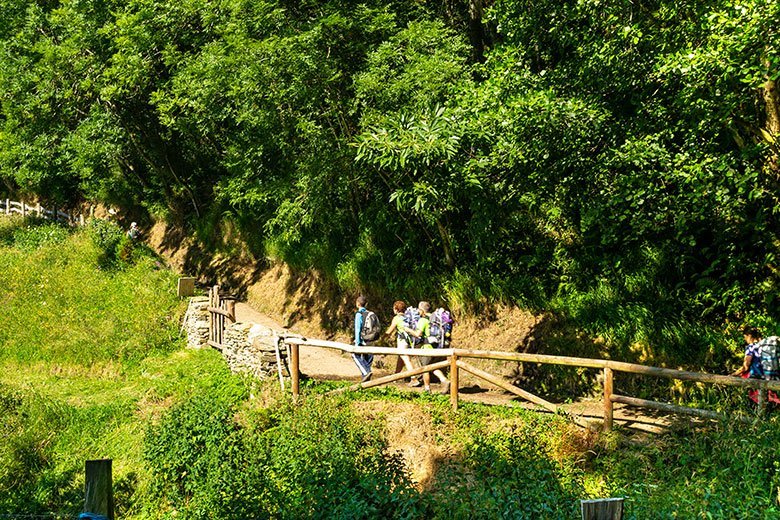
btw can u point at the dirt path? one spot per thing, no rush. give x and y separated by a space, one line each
327 364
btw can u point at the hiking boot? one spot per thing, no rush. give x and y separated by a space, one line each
367 377
414 383
445 387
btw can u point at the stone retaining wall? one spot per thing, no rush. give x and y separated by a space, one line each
196 322
251 348
247 347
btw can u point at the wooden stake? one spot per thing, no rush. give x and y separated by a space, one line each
230 307
608 409
602 509
294 372
98 488
454 382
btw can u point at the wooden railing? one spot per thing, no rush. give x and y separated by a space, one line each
222 311
455 360
11 207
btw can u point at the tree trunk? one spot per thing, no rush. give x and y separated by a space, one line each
449 257
476 31
772 107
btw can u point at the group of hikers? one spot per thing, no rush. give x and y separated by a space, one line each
412 327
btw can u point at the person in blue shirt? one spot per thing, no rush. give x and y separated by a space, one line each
363 361
752 362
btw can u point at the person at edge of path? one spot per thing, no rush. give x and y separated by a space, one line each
402 339
752 362
423 331
363 361
134 232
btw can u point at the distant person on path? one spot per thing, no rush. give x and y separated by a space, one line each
134 232
402 339
366 330
752 362
423 331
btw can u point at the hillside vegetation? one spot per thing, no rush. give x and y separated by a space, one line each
613 162
91 366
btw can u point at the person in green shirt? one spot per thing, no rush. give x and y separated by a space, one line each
423 331
402 339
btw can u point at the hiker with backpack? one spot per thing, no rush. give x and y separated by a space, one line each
751 365
402 339
367 330
423 333
761 362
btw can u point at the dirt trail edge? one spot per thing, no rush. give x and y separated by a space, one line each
327 364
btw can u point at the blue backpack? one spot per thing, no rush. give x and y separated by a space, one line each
411 317
769 357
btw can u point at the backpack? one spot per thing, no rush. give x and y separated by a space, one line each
440 328
769 357
411 317
371 328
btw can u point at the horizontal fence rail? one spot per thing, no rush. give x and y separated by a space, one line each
453 358
12 207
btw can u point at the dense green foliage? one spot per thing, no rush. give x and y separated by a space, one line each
188 441
614 162
313 461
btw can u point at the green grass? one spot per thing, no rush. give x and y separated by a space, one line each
89 356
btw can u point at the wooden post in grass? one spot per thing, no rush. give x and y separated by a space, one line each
602 509
185 287
294 373
608 407
454 382
98 488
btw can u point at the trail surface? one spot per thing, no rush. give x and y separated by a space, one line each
328 364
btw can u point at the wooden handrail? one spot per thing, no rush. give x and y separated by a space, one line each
607 365
618 366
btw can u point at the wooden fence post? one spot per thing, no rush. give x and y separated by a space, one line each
7 206
294 373
602 509
211 315
454 382
98 488
608 408
230 306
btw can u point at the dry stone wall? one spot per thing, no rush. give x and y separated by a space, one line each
251 348
196 322
247 347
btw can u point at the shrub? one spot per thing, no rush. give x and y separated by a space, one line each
312 461
106 236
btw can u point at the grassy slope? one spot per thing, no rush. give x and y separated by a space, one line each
87 357
90 358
